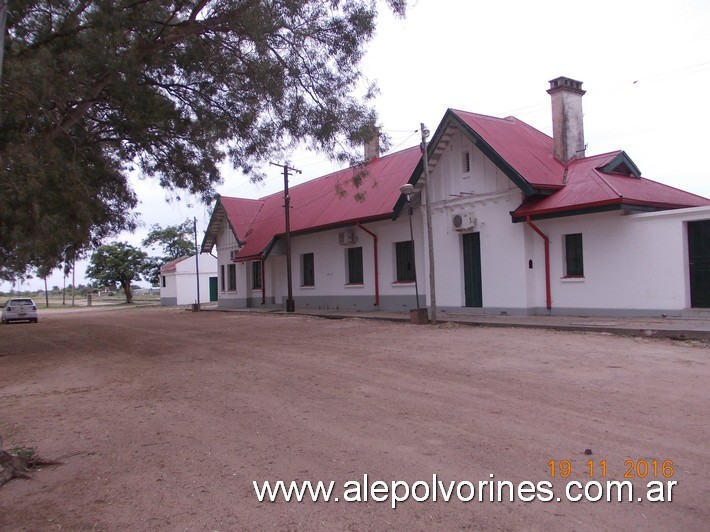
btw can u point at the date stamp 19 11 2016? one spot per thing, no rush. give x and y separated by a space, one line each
631 469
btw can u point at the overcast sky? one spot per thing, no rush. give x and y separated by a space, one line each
645 65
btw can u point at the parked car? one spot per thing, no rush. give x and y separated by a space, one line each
19 309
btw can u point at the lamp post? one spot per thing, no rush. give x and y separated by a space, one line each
407 190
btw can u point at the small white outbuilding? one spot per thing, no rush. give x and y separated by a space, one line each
178 280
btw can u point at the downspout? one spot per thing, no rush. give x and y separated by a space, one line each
377 271
548 290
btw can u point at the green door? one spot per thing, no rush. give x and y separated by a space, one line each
213 289
699 258
473 286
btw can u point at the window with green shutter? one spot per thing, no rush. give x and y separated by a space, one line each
404 252
355 273
574 256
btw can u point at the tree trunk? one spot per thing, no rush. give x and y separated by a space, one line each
73 281
127 289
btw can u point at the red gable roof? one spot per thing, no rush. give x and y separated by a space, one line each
590 187
241 213
172 265
526 156
329 201
527 150
522 152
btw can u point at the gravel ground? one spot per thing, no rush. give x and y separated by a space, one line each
163 419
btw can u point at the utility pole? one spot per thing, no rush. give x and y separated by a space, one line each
197 261
290 305
430 232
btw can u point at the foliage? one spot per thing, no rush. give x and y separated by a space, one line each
96 91
174 240
117 264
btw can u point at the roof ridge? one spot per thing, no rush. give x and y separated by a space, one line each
598 155
506 118
240 198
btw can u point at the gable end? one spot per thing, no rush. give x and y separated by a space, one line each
450 119
623 165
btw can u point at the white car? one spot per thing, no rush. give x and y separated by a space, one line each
19 309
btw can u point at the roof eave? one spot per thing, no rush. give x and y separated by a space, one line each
595 207
318 229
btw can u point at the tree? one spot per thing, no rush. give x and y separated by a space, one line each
95 91
117 264
175 241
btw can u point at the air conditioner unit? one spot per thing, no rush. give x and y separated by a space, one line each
463 222
347 237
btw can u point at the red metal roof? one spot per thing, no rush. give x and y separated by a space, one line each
527 150
524 153
588 187
241 213
329 201
172 265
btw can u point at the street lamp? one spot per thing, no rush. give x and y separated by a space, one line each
407 191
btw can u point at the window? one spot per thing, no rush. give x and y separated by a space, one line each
355 275
232 277
308 277
221 278
573 255
404 252
256 275
466 162
164 282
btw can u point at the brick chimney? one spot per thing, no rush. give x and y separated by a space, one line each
372 147
567 118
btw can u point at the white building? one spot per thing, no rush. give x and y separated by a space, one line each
178 280
522 223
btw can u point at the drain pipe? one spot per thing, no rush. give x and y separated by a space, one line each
548 289
377 271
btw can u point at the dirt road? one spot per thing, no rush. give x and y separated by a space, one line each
164 418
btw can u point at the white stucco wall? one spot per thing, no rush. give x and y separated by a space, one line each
486 195
226 244
331 289
180 283
633 264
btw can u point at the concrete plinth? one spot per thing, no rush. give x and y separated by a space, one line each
419 316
